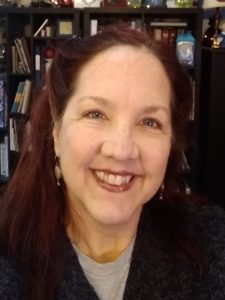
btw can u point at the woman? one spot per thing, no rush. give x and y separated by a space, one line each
93 210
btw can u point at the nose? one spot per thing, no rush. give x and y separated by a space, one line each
120 145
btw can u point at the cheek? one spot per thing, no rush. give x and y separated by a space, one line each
155 156
76 143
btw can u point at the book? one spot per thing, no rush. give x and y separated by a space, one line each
41 27
37 63
2 100
157 34
26 51
12 146
94 27
18 97
4 157
169 24
14 59
26 96
22 54
165 36
21 66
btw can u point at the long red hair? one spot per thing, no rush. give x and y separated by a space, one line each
33 211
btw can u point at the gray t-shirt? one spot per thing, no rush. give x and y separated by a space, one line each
107 279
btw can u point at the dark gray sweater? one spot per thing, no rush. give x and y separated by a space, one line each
154 274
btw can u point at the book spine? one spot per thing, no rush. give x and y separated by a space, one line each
18 97
2 101
26 52
14 59
4 158
94 27
26 98
37 63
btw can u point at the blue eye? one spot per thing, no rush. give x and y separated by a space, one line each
152 123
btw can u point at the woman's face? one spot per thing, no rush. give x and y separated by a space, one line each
114 138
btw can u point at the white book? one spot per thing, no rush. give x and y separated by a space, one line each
94 27
169 24
11 135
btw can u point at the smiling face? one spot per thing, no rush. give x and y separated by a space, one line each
114 138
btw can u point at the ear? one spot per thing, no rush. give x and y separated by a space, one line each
55 134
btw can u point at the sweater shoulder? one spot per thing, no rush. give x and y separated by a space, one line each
10 278
211 220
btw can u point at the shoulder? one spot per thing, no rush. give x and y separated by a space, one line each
211 220
211 238
10 278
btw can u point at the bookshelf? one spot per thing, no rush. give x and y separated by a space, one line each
44 28
30 36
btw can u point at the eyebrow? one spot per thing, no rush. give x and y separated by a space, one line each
95 98
107 102
156 108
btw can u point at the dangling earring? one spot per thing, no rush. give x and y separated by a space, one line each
161 191
58 174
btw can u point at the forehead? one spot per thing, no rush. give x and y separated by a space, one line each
125 75
125 59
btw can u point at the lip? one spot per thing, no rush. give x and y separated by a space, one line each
121 173
115 188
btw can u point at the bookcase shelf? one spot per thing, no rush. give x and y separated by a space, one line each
25 22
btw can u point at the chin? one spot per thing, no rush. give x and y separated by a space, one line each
118 218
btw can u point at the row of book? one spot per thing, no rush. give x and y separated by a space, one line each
167 31
97 25
22 97
21 58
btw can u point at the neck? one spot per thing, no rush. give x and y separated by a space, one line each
101 243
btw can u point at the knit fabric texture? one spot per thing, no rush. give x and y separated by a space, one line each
154 273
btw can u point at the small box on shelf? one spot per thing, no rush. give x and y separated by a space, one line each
64 28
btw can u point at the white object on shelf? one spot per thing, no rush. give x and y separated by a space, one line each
170 3
212 3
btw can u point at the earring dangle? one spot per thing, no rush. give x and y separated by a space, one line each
161 191
58 174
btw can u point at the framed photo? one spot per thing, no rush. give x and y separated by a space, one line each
114 3
64 27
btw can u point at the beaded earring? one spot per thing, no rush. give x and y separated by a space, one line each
161 191
58 173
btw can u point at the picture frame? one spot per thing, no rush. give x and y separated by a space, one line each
64 27
114 3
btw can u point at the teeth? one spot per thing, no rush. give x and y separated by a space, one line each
113 179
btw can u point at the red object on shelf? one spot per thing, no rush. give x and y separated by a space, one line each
66 3
49 53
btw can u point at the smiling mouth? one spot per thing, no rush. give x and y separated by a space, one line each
113 179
